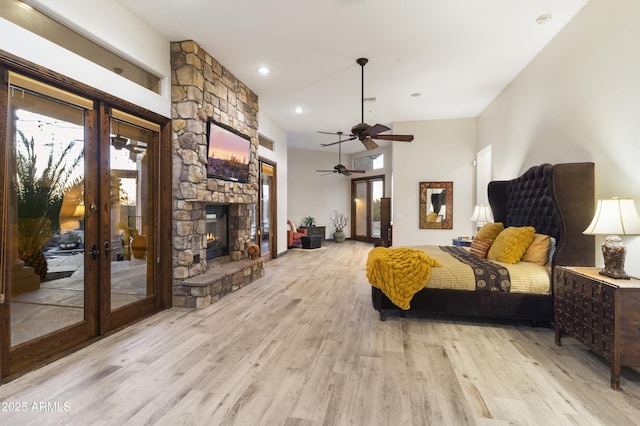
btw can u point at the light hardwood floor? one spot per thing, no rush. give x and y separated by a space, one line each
303 346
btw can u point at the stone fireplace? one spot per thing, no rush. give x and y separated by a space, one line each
217 232
202 88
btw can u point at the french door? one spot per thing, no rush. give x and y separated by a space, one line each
77 199
365 209
267 212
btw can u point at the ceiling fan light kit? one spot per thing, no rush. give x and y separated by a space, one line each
119 142
364 132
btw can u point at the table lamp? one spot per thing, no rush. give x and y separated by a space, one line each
614 217
481 215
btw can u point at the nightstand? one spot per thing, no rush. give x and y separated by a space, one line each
462 242
601 312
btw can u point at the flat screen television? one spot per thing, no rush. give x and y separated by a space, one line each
228 153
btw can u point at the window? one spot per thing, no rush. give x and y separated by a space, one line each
267 143
370 162
38 23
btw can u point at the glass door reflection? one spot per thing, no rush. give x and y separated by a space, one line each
47 169
131 219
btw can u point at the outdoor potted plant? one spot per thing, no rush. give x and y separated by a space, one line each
131 239
339 222
39 196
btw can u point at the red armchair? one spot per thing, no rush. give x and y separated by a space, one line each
294 235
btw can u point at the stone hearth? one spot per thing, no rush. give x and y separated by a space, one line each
202 88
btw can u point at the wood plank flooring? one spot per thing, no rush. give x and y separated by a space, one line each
303 346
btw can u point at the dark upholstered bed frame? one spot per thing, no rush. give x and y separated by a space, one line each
557 200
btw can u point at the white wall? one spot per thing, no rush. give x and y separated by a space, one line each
311 194
317 194
268 128
442 150
112 26
578 100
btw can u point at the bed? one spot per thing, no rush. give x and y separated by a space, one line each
558 201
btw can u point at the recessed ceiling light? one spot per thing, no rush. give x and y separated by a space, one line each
416 94
264 70
542 19
298 110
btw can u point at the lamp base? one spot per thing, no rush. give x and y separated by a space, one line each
614 253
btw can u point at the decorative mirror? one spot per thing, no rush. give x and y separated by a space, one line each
436 205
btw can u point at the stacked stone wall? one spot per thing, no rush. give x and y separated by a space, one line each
201 88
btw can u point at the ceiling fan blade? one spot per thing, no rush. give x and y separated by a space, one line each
399 138
369 143
356 171
326 171
375 129
337 142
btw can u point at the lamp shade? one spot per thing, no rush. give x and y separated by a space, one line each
615 216
482 213
79 211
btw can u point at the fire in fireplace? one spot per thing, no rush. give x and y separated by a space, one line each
217 230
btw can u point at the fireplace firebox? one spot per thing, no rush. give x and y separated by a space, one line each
217 228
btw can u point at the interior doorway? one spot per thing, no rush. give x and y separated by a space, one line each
267 210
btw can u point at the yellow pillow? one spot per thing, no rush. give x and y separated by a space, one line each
490 231
538 251
511 244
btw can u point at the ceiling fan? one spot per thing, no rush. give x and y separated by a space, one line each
120 142
364 132
340 169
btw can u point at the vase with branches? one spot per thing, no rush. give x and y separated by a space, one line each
339 222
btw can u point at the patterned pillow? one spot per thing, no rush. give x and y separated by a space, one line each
511 244
538 251
480 247
490 231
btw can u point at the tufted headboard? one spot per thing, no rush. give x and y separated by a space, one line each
557 200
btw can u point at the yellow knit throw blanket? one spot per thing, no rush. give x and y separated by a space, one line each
399 272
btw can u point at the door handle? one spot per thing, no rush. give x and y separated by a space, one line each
94 251
107 249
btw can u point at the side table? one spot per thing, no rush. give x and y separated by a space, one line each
601 312
462 242
316 230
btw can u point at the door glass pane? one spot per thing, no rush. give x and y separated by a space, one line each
265 209
361 208
46 218
131 151
377 192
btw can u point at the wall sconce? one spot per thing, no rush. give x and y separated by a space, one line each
614 217
481 215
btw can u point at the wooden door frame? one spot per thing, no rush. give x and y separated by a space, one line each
29 354
273 213
354 182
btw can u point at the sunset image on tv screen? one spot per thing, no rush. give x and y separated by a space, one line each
228 156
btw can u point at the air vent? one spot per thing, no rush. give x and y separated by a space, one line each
369 99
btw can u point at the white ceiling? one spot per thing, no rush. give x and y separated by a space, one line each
459 54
